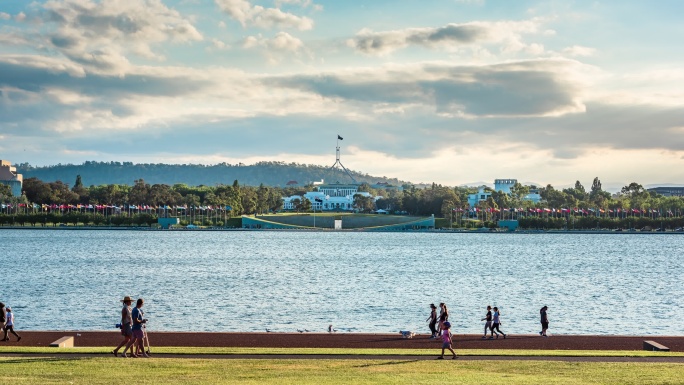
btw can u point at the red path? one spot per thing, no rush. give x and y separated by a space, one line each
351 340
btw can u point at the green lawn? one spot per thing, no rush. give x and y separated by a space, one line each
106 370
359 352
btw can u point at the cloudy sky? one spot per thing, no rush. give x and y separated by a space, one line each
451 91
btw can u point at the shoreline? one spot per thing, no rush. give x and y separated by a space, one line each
348 340
326 230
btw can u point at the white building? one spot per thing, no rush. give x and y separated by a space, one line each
329 197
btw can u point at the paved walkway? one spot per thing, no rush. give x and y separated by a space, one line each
352 340
71 356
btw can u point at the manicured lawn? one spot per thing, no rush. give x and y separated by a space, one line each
105 370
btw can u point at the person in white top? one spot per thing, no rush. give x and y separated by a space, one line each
126 324
9 325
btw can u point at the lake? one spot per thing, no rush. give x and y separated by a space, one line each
285 281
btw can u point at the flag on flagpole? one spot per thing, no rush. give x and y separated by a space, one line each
339 137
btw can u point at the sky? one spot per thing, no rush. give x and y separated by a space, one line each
447 91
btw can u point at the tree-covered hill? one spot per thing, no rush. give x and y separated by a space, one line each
268 173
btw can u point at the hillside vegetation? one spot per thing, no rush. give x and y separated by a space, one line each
276 174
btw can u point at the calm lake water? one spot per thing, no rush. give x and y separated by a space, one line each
359 282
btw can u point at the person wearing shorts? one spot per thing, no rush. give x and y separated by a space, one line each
544 321
137 336
9 325
488 323
126 323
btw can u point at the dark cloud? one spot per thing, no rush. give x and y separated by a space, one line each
38 79
533 88
454 35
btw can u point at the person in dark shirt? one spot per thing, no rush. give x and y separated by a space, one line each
488 324
544 321
432 319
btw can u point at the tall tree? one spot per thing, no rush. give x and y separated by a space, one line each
82 192
597 195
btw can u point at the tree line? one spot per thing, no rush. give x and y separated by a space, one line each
442 201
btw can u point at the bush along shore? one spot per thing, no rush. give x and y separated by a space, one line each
114 220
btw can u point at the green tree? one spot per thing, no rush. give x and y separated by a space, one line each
5 193
82 192
597 195
364 203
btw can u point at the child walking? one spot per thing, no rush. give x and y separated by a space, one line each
446 340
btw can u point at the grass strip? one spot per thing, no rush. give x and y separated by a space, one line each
338 351
110 370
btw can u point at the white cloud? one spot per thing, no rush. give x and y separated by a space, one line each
219 45
507 33
5 16
21 16
301 3
579 51
255 15
101 36
274 48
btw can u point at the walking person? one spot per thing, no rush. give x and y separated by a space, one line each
9 325
544 321
432 319
137 336
496 321
126 323
488 323
443 316
446 340
2 315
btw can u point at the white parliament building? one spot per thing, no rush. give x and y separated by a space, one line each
329 197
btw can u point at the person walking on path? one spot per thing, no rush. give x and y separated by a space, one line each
2 315
488 323
126 323
443 316
496 321
9 325
544 321
137 337
432 319
446 340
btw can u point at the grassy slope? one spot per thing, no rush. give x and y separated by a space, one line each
17 371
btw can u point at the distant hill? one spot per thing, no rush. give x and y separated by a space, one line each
268 173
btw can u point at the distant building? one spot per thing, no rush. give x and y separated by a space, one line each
504 185
9 177
668 191
329 197
481 195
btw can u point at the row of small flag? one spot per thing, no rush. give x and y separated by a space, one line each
565 211
115 207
